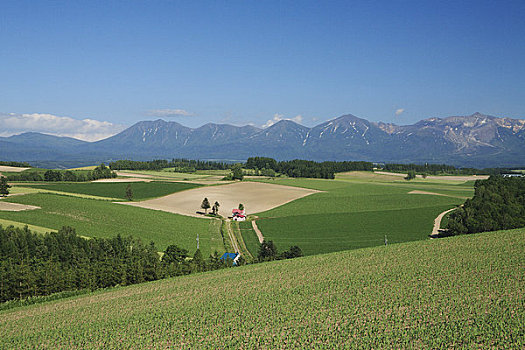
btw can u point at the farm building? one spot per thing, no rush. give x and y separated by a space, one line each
238 214
232 256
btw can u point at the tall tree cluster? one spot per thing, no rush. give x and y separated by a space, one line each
180 164
100 172
305 168
4 186
36 265
498 204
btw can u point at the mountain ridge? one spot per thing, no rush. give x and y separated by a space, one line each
475 140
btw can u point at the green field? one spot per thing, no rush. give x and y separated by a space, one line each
250 237
358 212
459 292
141 190
96 218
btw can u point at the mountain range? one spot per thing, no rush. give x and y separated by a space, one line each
476 140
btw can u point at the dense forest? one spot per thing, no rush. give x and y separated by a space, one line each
34 265
180 164
498 204
100 172
37 265
305 168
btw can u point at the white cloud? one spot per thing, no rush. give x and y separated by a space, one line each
170 113
399 111
86 129
278 117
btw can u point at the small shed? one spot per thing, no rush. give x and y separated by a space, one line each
233 256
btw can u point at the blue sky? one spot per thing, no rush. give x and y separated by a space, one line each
246 62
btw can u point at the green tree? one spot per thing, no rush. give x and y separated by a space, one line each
174 254
205 205
241 206
215 208
411 175
4 186
129 193
237 173
198 263
267 251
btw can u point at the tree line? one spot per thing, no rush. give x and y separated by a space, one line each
33 265
180 164
100 172
36 265
306 168
498 204
443 169
268 251
15 164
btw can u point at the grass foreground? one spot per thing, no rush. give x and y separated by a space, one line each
458 292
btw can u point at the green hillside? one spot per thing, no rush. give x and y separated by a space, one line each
459 292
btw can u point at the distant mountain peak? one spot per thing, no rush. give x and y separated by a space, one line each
477 140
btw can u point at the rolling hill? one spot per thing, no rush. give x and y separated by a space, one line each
458 292
476 140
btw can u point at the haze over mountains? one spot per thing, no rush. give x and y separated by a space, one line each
476 140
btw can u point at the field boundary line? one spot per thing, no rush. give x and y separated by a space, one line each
232 236
240 239
257 232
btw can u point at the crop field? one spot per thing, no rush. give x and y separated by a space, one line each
355 212
97 218
255 197
141 190
459 292
250 237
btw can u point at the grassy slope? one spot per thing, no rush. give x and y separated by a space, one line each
96 218
355 213
141 190
456 292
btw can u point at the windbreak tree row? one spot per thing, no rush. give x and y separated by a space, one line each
180 164
100 172
306 168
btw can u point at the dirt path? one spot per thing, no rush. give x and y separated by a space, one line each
235 244
257 231
437 221
435 194
128 179
8 206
